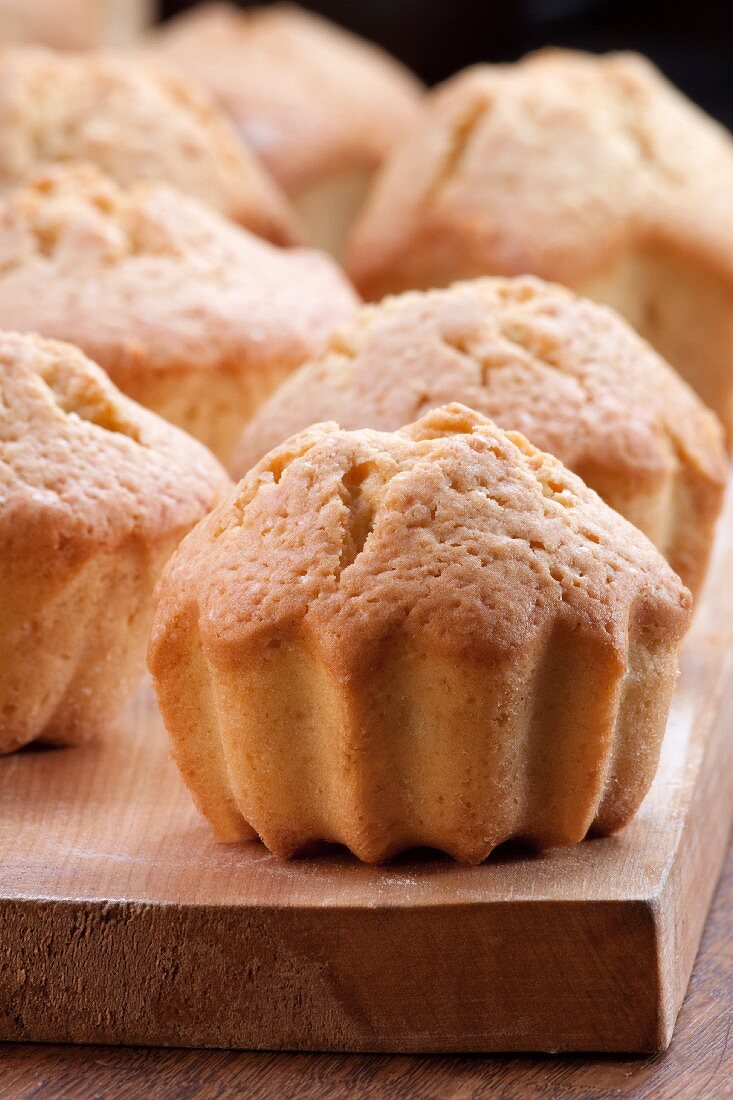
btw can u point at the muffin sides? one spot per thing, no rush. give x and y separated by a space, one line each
437 636
321 107
137 120
567 373
95 493
593 172
189 314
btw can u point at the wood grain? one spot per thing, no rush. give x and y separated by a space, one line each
122 921
697 1066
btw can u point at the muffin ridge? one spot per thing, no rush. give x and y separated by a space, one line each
95 494
418 592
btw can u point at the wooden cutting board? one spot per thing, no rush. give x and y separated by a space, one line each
122 921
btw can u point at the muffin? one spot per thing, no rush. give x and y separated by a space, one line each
137 120
437 636
566 372
321 107
189 314
591 171
95 493
74 24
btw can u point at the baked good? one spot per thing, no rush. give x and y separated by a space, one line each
137 120
590 171
74 24
95 493
566 372
189 314
321 107
437 636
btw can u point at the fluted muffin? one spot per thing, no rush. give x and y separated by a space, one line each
590 171
74 24
137 120
566 372
437 636
95 493
189 314
321 107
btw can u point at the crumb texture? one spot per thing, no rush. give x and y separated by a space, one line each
137 120
189 314
535 358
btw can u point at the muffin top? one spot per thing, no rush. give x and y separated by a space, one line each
310 98
136 119
534 357
81 466
462 538
145 277
554 165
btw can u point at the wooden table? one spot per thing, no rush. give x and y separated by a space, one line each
698 1065
122 921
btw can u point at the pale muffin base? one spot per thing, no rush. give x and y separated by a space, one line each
543 746
211 405
72 642
684 310
329 209
678 514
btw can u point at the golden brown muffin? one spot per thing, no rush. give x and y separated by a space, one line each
567 373
74 24
437 636
95 493
189 314
321 107
137 120
593 172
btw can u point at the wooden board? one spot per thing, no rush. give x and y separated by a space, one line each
698 1065
122 921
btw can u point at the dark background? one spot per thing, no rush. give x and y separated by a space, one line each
691 42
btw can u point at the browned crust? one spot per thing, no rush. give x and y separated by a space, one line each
83 468
569 374
137 120
164 293
428 470
626 159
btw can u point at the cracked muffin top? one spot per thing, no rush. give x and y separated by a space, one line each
81 466
309 97
567 373
564 371
616 150
463 537
137 120
145 277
